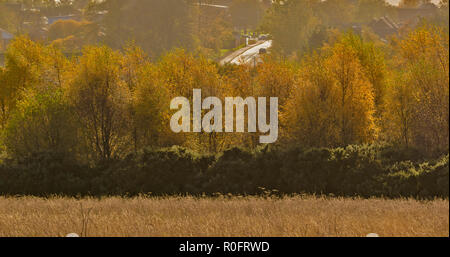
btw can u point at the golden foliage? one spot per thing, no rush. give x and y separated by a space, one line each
417 107
347 92
332 103
101 101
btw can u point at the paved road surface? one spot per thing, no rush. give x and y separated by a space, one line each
246 55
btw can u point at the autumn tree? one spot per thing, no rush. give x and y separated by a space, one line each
182 72
275 78
271 78
42 122
240 78
34 113
399 116
150 99
151 106
332 103
28 65
355 94
239 81
101 101
309 117
373 64
420 97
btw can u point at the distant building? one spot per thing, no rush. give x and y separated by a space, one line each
412 15
357 29
98 16
384 27
5 38
53 19
14 7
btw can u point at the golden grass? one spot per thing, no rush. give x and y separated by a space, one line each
187 216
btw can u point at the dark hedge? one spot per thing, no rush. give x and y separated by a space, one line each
364 171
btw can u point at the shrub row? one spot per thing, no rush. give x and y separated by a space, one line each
364 171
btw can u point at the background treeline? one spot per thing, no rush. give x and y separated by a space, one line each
156 26
363 171
159 26
105 104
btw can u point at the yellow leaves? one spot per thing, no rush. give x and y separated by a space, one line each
332 103
184 72
181 72
25 59
429 43
418 101
150 106
41 122
135 62
275 79
335 97
29 65
101 100
240 80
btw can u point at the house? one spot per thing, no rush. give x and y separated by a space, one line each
412 15
53 19
5 38
384 27
98 16
13 7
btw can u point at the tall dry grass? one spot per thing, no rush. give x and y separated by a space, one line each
249 216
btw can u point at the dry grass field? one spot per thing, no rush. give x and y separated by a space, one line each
186 216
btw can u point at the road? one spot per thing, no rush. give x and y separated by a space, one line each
246 55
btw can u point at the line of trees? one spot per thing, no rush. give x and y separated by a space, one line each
105 104
300 27
157 26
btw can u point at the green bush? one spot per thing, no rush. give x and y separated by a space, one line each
366 171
